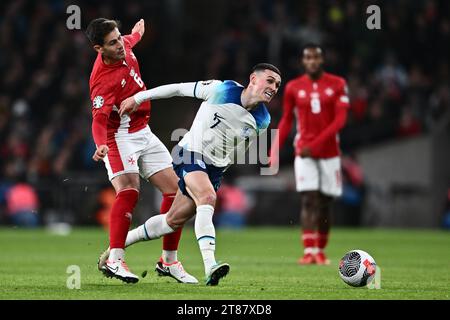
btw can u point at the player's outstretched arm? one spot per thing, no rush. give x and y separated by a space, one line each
131 104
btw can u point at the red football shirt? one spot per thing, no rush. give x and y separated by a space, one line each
320 107
109 86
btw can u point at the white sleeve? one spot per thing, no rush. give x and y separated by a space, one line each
167 91
205 89
200 89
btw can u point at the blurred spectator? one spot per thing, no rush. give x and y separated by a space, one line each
232 207
352 200
22 205
439 103
392 77
359 100
409 124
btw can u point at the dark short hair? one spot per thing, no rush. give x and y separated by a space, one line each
98 28
266 66
312 45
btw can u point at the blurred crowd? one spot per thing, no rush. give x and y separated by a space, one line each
398 76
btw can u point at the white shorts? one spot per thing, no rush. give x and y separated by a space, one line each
138 152
319 175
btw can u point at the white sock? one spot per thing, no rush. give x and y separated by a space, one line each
153 228
206 235
116 254
135 235
157 226
169 256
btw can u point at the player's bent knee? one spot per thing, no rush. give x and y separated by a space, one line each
176 222
208 197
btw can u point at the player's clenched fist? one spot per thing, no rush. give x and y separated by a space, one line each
128 105
100 153
139 27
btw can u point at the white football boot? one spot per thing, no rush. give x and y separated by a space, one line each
216 273
176 271
119 269
102 260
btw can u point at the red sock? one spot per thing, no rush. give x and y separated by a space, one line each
309 240
120 217
171 240
322 240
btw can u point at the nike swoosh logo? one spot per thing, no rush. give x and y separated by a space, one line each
114 270
212 243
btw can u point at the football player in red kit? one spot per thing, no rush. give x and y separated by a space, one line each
319 102
127 146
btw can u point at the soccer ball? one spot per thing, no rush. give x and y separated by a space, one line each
357 268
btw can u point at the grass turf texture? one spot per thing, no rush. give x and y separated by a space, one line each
414 265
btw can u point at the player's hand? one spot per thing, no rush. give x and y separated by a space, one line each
100 153
305 152
139 27
128 105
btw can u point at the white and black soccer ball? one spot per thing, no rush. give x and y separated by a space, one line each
357 268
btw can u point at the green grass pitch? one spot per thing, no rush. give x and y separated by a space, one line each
415 264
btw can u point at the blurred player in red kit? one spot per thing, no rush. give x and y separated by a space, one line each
127 146
319 102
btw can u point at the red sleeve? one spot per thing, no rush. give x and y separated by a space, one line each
133 39
340 117
103 100
99 129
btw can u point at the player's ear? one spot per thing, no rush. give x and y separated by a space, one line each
98 48
253 78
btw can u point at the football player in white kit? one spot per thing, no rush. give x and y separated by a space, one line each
228 118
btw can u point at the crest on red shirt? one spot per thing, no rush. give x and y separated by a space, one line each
98 102
329 92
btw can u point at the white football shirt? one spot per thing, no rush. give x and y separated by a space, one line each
221 124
